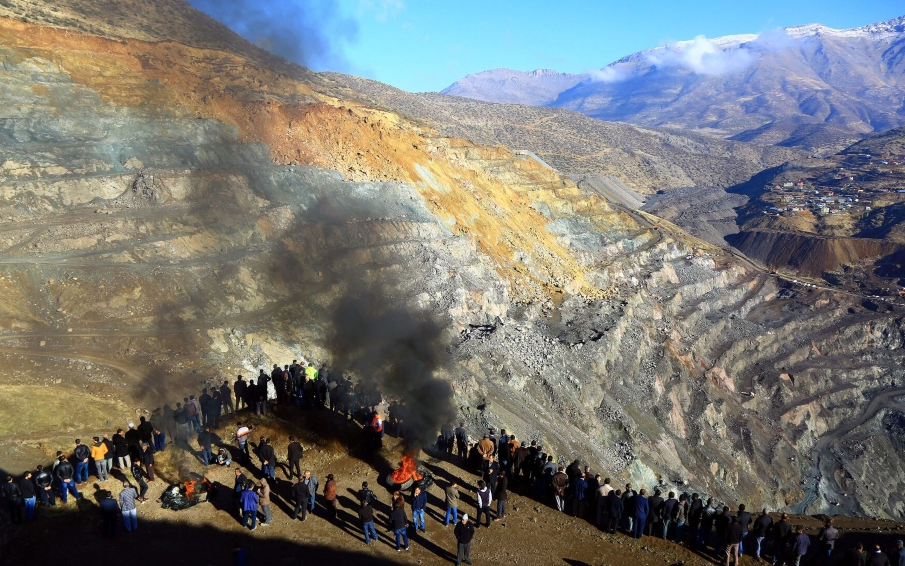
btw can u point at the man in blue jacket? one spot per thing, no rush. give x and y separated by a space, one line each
642 510
419 503
249 502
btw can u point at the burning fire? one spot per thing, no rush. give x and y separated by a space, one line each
408 469
190 487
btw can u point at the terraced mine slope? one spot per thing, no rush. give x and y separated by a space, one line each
175 210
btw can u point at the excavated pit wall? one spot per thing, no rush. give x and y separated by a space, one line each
147 252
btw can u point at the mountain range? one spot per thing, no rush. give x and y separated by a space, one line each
807 86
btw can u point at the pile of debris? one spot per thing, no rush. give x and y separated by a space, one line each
187 494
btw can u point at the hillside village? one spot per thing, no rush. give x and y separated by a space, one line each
851 184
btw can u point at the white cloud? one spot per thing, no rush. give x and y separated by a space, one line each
701 56
609 74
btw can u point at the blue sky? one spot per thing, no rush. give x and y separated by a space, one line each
425 45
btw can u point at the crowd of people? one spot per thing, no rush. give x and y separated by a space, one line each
503 462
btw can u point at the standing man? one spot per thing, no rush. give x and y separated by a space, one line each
108 457
44 481
248 501
147 458
800 546
204 402
761 527
366 514
66 475
268 459
734 536
158 426
452 503
239 389
461 441
264 497
485 498
226 398
205 441
828 535
109 512
419 503
898 556
559 482
121 450
642 510
81 455
782 539
312 489
127 498
400 522
14 500
294 454
300 493
145 431
99 455
242 433
29 495
744 519
464 533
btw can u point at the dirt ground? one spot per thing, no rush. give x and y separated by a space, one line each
532 533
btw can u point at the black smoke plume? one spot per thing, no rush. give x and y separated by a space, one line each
307 33
384 340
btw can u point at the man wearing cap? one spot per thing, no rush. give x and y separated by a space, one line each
464 532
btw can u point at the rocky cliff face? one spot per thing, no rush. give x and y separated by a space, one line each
173 215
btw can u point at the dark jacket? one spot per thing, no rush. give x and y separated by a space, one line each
801 543
419 502
744 519
43 479
147 457
267 454
300 493
205 439
781 531
642 507
502 488
669 508
295 452
397 518
27 487
762 525
12 493
120 446
560 481
694 512
853 557
616 506
365 495
64 471
734 533
366 514
81 452
655 502
464 532
878 559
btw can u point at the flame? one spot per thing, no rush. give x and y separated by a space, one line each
189 489
408 469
